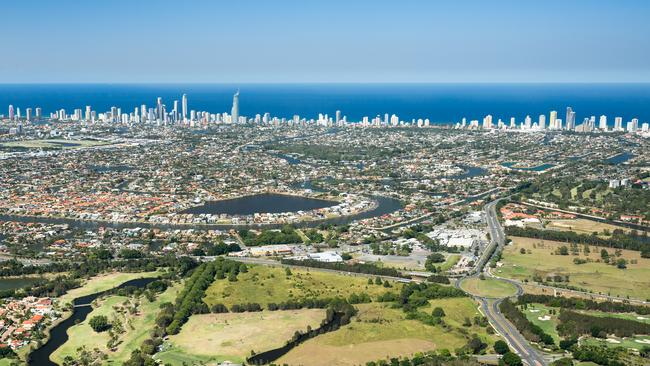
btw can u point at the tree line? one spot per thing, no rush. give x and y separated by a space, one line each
287 235
574 324
90 266
583 304
188 301
618 240
365 268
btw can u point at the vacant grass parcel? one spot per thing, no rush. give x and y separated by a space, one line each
263 285
596 276
232 336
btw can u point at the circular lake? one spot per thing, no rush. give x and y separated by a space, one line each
260 203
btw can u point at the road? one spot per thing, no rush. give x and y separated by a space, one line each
490 307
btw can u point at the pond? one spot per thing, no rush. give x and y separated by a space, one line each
260 203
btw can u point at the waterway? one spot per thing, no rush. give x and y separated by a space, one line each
469 172
620 158
260 203
81 309
538 168
384 206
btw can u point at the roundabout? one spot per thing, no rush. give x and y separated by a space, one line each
489 287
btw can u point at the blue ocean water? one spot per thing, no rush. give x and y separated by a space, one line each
439 102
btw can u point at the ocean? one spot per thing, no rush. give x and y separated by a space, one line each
441 103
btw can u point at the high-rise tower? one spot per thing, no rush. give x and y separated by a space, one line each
235 107
184 107
570 119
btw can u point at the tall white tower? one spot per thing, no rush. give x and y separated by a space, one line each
235 107
184 107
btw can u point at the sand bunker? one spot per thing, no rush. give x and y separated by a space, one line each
544 318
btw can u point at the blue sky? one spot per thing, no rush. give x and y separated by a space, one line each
325 41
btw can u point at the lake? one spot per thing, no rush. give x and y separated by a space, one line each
260 203
538 168
620 158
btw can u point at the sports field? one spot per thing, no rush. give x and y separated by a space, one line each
136 326
596 276
488 287
262 285
232 336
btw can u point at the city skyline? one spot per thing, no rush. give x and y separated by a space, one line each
285 41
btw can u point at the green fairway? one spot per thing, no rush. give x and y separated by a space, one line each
104 282
263 284
488 287
539 315
636 342
596 276
137 327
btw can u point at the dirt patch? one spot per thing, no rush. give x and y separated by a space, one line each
354 354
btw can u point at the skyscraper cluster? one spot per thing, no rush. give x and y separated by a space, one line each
556 124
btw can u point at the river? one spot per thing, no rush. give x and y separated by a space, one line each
81 309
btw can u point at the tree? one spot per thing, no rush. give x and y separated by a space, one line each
476 345
438 312
501 347
432 259
99 323
510 359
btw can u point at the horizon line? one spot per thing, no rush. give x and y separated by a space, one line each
318 82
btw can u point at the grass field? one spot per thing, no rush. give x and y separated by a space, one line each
489 287
379 331
104 282
450 262
583 226
262 284
232 336
52 143
597 277
137 327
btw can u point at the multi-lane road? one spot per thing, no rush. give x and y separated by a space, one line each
490 307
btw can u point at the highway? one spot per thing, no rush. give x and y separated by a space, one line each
490 307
